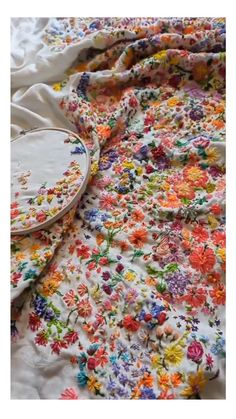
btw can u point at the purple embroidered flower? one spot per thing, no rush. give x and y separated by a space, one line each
83 84
141 154
49 314
40 305
163 163
107 159
123 379
177 283
111 385
196 114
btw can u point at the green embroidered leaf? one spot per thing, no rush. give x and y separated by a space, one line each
151 271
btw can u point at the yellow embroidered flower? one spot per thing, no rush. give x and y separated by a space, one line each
128 165
94 168
139 171
196 383
175 60
210 187
50 198
212 221
57 87
130 276
165 186
172 101
213 155
174 354
161 55
35 256
221 253
156 361
93 384
95 293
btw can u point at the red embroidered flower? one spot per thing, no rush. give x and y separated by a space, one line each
161 318
41 338
71 337
34 322
218 238
202 259
200 234
83 252
130 323
91 364
196 297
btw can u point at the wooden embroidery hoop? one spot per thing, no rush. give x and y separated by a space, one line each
74 200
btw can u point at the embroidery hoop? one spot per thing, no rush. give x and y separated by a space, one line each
83 162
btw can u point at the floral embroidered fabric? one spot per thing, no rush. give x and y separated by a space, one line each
131 306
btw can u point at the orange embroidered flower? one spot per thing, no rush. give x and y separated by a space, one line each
100 238
196 297
176 379
147 380
123 245
195 176
138 215
184 190
202 259
104 131
163 381
218 294
218 123
171 201
139 237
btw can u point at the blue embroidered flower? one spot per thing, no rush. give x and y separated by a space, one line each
147 393
82 379
91 215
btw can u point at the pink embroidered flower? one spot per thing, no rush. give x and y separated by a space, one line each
41 217
69 394
70 298
195 351
84 308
